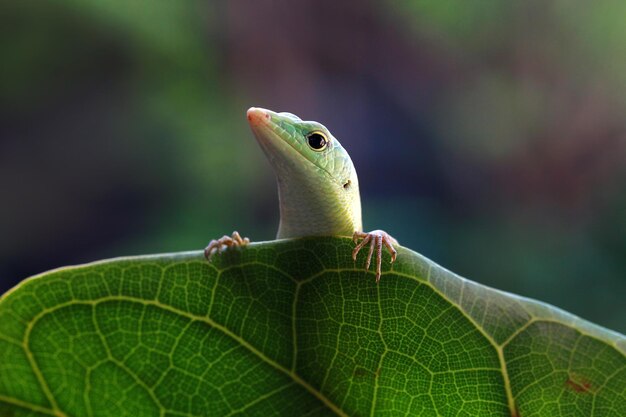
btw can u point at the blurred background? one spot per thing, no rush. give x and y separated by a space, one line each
489 136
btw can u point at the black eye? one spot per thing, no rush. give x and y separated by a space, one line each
317 141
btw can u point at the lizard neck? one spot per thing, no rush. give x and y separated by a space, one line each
306 209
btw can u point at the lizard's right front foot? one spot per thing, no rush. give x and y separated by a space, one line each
221 244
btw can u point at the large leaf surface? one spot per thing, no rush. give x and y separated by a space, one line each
295 328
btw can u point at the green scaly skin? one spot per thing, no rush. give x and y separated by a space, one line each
318 187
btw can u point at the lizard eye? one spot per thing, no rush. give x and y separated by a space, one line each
317 141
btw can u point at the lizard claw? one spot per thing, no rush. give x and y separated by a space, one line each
376 239
221 244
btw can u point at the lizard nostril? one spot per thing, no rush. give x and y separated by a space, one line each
257 115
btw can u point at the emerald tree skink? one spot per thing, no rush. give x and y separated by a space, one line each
318 187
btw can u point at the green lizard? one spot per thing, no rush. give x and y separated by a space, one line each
318 187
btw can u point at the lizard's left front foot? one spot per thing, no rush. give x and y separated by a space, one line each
376 239
218 245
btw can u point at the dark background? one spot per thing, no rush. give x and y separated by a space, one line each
489 136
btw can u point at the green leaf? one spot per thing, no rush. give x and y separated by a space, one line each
295 328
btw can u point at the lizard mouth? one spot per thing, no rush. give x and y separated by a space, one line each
278 150
264 129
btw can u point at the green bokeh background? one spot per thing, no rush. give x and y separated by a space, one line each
489 136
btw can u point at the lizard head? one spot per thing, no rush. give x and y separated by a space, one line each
315 174
295 146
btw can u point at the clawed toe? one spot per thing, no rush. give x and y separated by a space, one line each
221 244
376 240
